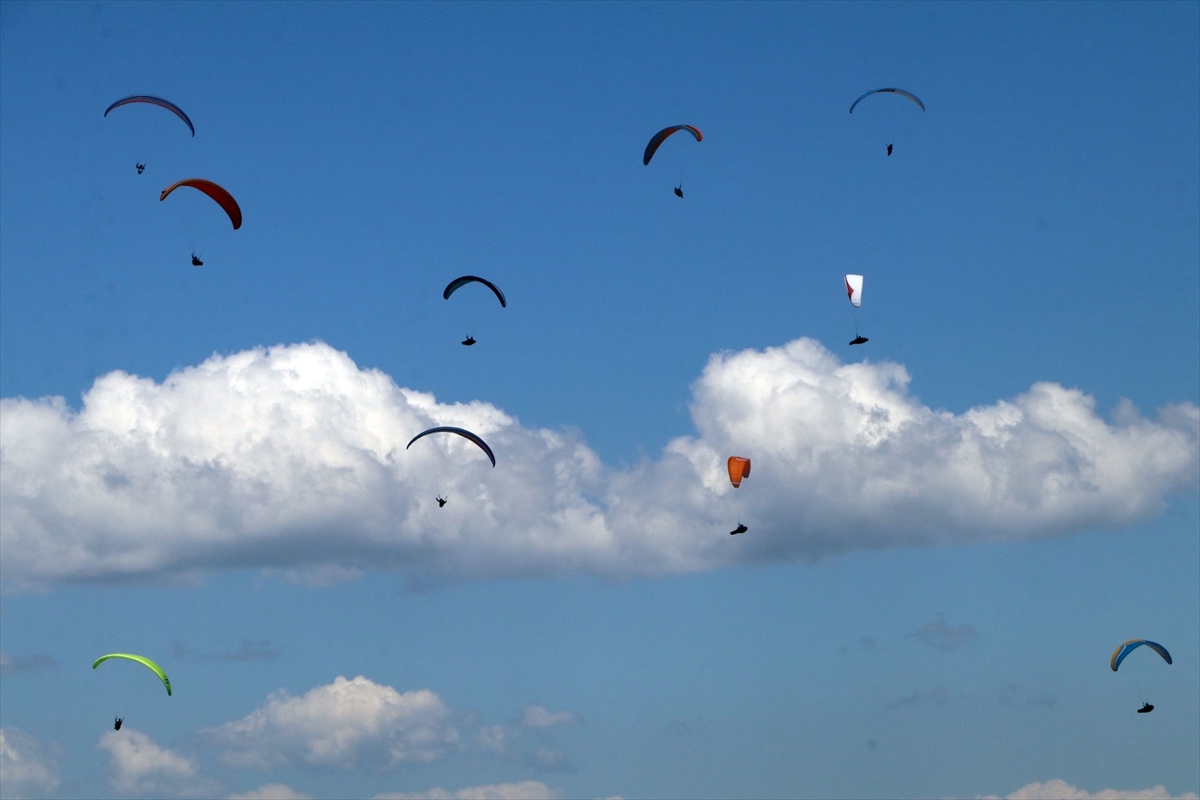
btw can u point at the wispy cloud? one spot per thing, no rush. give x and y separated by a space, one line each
943 636
524 790
292 459
26 765
1059 789
11 665
248 650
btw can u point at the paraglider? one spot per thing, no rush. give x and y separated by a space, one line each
441 501
679 190
470 340
739 529
854 288
1145 709
739 468
1128 647
155 668
140 166
196 262
660 137
223 198
461 432
155 101
117 724
889 149
458 283
900 92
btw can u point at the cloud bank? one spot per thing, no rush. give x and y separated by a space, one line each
25 765
292 459
1059 789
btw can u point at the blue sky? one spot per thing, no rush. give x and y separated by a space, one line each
950 527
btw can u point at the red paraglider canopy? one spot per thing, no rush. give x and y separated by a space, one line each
224 199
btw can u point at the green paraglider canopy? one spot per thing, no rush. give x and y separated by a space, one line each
155 668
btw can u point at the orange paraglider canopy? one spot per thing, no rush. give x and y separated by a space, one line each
738 468
223 198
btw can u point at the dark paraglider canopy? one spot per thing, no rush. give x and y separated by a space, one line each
470 340
739 529
461 432
458 283
154 101
900 92
660 137
859 340
196 262
1145 709
223 198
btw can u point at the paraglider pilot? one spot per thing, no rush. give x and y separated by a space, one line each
140 167
196 262
1146 708
739 529
889 149
470 340
441 501
117 724
679 190
859 340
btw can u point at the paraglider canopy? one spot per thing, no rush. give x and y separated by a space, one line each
155 668
738 468
854 287
900 92
461 432
155 101
223 198
660 137
457 283
1128 647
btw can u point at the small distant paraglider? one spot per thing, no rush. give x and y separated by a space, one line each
679 190
458 283
739 469
441 501
461 432
222 198
470 340
889 149
140 167
117 724
1125 648
854 288
154 101
196 262
739 529
900 92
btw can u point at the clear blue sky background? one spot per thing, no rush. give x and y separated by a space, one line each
1040 222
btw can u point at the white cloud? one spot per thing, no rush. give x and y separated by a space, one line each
524 790
339 725
140 766
272 791
292 459
541 717
25 768
1058 789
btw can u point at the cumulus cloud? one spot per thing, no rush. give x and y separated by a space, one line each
524 790
1059 789
140 766
292 459
25 766
943 636
272 791
340 725
11 665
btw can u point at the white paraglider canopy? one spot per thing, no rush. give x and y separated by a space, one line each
854 289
